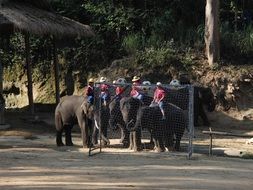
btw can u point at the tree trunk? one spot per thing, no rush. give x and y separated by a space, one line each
29 72
56 73
212 36
2 101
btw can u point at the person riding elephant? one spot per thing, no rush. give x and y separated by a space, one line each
89 91
120 82
104 94
136 91
70 111
159 97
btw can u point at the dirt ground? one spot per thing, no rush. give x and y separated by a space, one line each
29 159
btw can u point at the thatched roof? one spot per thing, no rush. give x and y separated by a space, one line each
37 17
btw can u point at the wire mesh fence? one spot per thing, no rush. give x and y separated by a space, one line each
138 123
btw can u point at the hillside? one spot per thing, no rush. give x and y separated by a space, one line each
232 85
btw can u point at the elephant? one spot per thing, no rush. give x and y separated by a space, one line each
202 97
101 120
129 107
163 131
70 111
116 120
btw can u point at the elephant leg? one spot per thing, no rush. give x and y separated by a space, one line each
125 137
131 143
135 141
95 136
84 132
122 135
203 116
103 133
154 139
201 112
68 137
159 142
59 138
178 139
170 140
138 140
151 139
89 131
105 140
177 145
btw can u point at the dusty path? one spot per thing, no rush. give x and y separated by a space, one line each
39 164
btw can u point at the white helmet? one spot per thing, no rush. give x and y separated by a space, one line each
175 82
103 79
158 84
146 82
121 81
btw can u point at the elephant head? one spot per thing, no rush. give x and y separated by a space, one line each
207 97
88 109
129 107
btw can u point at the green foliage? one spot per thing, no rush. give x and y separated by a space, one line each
236 43
167 55
133 42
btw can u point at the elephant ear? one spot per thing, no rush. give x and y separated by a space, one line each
84 108
200 95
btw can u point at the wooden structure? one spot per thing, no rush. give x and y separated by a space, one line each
37 18
221 133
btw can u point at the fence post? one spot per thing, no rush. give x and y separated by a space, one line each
191 120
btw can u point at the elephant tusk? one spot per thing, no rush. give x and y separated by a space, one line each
96 124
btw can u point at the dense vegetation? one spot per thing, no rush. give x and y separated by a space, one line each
152 32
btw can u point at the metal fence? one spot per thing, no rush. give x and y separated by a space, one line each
172 128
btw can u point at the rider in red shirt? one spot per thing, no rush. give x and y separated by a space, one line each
120 87
90 91
104 94
159 96
136 90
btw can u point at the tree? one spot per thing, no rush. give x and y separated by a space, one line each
212 36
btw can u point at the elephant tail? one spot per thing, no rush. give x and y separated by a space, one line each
58 121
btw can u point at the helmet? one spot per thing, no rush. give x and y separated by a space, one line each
175 82
158 84
146 82
121 81
102 79
91 80
135 78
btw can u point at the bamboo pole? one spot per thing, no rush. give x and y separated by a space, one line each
29 73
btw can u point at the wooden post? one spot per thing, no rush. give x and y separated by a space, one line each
2 101
29 72
56 73
211 142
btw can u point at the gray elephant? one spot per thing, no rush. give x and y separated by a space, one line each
163 131
129 107
116 120
203 97
70 111
101 122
